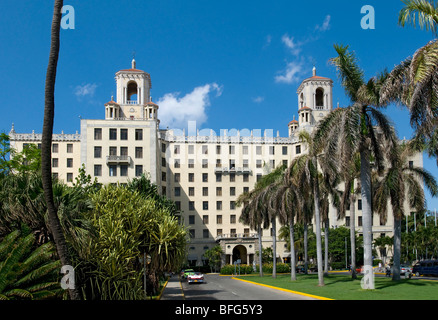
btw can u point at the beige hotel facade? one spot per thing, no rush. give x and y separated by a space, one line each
204 172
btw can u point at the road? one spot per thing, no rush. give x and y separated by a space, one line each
218 287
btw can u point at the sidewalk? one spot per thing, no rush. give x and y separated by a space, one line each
173 290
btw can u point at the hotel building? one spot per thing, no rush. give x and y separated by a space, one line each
203 172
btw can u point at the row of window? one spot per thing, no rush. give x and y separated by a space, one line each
191 177
69 176
219 232
177 191
231 163
113 152
55 163
205 205
113 133
117 170
55 148
231 149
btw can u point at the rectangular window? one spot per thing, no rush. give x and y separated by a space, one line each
138 170
113 134
69 177
97 133
218 232
138 134
163 162
192 205
359 221
163 147
205 177
232 163
219 191
124 151
232 191
191 219
204 205
191 149
359 204
284 150
69 148
232 177
272 163
219 219
177 191
245 150
205 233
191 177
297 149
97 152
123 170
54 162
232 149
69 163
245 163
112 151
218 149
232 205
258 150
218 205
245 177
163 176
204 149
97 170
113 171
233 218
191 191
138 152
177 163
218 177
191 163
205 191
176 149
204 163
55 148
271 150
258 163
123 134
218 163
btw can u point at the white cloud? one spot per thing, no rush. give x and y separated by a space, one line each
291 73
258 99
325 25
176 111
268 41
85 90
294 47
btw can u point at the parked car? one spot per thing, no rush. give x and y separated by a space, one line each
197 277
426 268
186 273
405 268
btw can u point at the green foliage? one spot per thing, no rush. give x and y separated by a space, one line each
129 225
214 257
27 272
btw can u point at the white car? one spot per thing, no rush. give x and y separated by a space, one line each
196 277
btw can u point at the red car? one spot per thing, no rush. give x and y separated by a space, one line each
197 277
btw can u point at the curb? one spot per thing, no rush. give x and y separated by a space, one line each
285 290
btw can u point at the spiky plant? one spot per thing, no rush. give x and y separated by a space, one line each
27 272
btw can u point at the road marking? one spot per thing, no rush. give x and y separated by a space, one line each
285 290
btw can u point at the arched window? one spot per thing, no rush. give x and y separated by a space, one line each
132 92
319 97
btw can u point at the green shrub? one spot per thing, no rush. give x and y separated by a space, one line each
230 269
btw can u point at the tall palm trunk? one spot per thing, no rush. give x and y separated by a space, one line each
318 231
367 217
46 142
397 248
260 251
274 243
305 235
353 234
326 243
293 271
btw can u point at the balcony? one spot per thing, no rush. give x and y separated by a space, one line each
234 236
118 159
131 102
226 170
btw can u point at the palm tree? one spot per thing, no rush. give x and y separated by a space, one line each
46 143
359 128
348 200
401 182
257 211
414 81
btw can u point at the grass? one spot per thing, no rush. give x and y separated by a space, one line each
342 287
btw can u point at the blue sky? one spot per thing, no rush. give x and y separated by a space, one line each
226 64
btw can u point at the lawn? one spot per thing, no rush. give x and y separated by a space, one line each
342 287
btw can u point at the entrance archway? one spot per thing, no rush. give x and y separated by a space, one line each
239 252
